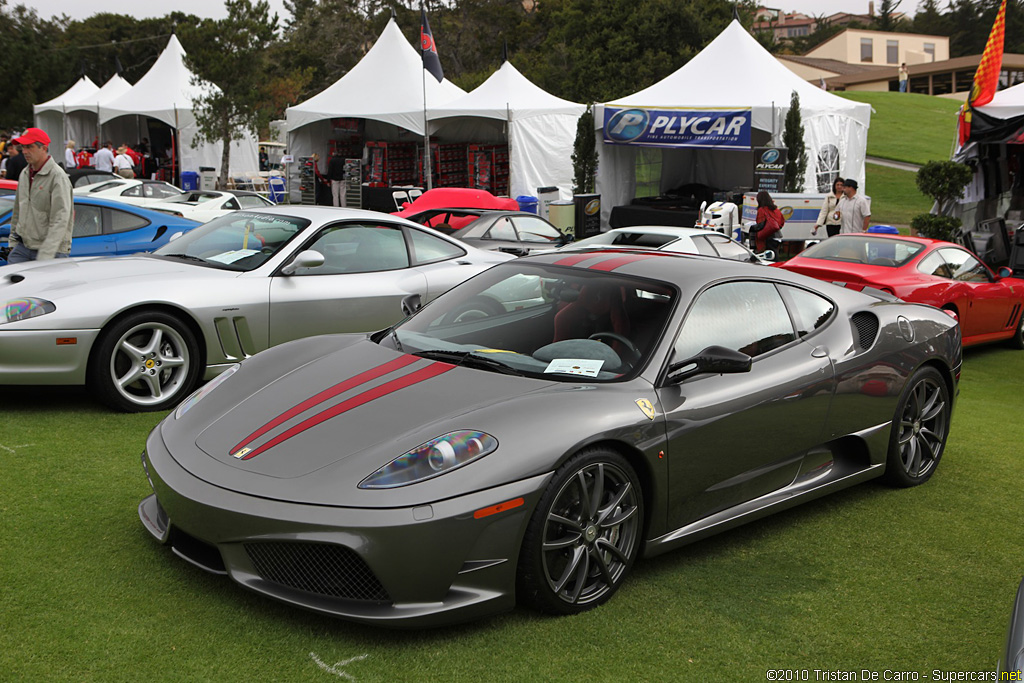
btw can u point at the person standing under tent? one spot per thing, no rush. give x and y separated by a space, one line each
69 156
123 163
104 158
336 174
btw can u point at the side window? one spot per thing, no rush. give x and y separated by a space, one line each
428 249
703 246
965 267
88 221
160 190
248 201
358 249
231 204
934 264
728 248
810 311
749 317
135 191
120 221
502 230
533 229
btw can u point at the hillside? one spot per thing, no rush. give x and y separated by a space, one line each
909 127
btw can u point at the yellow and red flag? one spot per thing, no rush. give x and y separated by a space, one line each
986 78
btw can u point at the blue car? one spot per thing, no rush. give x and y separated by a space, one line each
108 228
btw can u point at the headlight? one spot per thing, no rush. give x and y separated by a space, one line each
23 309
202 392
432 459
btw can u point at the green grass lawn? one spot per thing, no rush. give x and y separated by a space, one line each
870 578
909 127
895 198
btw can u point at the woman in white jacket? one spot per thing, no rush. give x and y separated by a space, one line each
829 215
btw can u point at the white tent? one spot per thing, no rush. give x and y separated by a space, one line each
385 87
167 93
540 128
83 112
732 74
1006 104
52 116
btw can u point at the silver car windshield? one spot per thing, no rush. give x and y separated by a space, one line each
555 323
240 240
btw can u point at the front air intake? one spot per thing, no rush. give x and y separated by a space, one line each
321 568
865 329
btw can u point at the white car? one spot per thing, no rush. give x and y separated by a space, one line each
205 205
135 191
680 240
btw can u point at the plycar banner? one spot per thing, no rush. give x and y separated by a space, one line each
710 128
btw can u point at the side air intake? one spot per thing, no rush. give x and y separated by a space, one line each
865 329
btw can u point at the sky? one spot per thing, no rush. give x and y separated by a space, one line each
82 9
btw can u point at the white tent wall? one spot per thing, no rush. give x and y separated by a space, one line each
52 123
82 128
540 154
50 115
315 137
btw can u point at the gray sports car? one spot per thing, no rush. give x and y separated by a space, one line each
141 331
602 405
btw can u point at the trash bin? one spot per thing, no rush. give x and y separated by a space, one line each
546 195
884 229
562 215
588 215
189 181
207 178
527 203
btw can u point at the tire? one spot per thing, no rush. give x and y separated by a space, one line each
575 555
474 309
146 361
919 429
1017 340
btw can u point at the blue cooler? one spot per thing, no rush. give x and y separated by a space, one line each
527 203
189 181
884 229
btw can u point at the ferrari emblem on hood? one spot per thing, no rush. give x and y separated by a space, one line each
646 406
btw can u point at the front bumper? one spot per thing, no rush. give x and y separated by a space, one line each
402 567
45 356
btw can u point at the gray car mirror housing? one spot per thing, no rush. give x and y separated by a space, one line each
304 259
713 359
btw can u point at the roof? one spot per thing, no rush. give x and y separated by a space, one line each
505 95
1011 60
111 90
83 87
1006 103
834 65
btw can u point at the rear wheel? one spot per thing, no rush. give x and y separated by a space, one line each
146 361
584 534
919 429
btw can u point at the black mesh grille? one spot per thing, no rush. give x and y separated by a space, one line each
321 568
866 327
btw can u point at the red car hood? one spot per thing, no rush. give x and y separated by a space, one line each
457 198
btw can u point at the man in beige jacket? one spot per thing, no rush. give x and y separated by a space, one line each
43 214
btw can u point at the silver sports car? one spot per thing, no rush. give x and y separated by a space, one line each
141 331
602 405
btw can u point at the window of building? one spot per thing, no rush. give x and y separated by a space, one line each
942 83
892 52
867 51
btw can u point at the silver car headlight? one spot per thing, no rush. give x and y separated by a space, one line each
23 309
203 391
434 458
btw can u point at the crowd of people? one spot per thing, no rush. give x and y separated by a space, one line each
127 161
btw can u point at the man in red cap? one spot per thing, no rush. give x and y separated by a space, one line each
43 214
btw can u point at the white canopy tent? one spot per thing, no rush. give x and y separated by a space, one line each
539 127
83 113
386 88
734 74
53 116
167 93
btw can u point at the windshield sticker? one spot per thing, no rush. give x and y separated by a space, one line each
575 366
232 256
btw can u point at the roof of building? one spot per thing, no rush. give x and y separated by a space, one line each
834 65
1011 60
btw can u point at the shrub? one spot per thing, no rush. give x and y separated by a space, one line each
937 227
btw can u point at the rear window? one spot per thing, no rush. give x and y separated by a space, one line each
865 249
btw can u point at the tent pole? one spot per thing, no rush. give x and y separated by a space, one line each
174 150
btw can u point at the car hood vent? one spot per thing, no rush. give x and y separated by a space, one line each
865 328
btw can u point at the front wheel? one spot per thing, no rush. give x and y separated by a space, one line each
1017 341
919 429
146 361
583 536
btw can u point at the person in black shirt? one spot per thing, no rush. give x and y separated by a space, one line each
15 163
336 174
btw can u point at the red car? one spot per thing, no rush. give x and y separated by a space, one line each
427 208
927 271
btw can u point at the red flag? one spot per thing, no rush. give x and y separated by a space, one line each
986 78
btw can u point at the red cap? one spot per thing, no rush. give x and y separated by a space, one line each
32 135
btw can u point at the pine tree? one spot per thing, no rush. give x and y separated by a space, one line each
793 139
584 154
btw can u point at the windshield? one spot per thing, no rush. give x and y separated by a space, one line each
543 321
627 239
874 251
240 240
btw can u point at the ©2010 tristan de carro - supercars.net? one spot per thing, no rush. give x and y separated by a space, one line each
528 435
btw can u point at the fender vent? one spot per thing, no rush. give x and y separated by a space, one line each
321 568
865 328
1013 316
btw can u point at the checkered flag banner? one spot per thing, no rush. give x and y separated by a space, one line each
986 78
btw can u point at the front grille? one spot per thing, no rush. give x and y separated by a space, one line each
321 568
866 327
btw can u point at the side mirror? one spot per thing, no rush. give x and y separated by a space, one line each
713 359
1005 271
175 236
411 304
304 259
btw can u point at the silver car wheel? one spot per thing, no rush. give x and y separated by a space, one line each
591 534
919 430
150 363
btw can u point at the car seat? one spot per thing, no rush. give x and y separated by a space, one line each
597 309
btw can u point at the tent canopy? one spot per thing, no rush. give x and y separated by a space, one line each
83 87
734 73
540 128
1006 104
52 116
387 85
111 90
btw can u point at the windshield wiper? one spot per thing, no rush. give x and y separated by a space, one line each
468 359
186 257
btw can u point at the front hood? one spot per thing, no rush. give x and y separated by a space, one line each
42 278
361 403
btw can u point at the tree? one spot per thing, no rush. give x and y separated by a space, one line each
886 9
231 55
584 153
944 182
793 139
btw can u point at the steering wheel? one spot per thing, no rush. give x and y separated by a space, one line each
633 352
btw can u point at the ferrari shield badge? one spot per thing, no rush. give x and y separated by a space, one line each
646 406
240 453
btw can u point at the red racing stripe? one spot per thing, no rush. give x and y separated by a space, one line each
578 258
326 394
613 263
432 370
